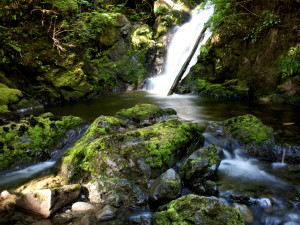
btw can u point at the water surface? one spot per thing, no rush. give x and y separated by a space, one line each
284 119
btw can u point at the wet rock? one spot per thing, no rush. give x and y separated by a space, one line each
43 222
200 166
137 155
197 210
83 207
35 139
116 192
166 187
207 188
245 212
88 220
107 213
123 23
239 198
4 195
46 202
291 154
255 137
62 218
144 114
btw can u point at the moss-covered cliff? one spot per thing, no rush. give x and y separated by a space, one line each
58 50
253 52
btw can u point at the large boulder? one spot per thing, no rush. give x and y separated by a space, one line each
111 149
194 209
200 167
166 187
116 192
255 137
46 202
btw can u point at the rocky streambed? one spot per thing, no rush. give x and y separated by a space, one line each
146 166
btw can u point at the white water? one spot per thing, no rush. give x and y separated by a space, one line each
179 49
25 173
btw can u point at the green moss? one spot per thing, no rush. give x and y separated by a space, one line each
249 129
25 140
230 88
158 144
142 37
194 209
65 5
139 113
8 96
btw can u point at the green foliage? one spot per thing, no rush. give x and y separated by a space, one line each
265 22
289 65
204 53
225 13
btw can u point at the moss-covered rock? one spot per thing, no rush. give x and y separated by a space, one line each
166 187
169 14
110 149
144 114
229 89
32 140
8 96
253 135
194 209
199 167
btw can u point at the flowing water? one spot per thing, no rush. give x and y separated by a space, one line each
273 188
179 49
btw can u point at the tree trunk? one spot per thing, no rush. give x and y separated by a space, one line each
187 62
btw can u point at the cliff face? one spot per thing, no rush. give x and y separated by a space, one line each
254 52
56 50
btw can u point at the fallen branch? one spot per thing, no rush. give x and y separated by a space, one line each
187 62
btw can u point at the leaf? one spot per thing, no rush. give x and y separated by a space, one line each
18 49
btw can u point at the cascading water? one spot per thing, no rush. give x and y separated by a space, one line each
240 176
179 49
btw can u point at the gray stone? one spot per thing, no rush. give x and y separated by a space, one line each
116 192
83 207
88 220
199 167
107 213
166 186
46 202
62 218
245 212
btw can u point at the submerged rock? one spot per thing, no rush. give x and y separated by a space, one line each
166 187
194 209
107 213
46 202
201 166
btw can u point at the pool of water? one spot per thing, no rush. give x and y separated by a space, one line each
284 119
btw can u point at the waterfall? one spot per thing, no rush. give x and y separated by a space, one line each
179 49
